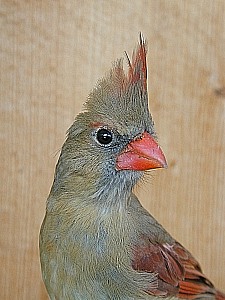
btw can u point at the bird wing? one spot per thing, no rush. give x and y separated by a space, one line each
179 274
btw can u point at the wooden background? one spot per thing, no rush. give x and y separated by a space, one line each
52 53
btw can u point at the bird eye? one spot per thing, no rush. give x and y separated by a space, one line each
104 136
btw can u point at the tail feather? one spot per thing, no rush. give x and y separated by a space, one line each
220 295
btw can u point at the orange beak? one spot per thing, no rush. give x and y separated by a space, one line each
143 153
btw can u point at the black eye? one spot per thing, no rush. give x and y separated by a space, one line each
104 136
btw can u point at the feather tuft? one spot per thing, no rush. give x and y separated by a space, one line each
138 68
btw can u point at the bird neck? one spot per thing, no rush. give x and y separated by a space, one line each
105 193
112 194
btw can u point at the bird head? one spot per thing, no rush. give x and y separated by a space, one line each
113 141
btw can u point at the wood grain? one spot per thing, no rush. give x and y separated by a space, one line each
52 53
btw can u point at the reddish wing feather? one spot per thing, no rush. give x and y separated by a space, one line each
179 274
220 296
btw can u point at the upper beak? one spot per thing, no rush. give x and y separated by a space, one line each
143 153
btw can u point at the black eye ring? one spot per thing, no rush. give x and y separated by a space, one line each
104 136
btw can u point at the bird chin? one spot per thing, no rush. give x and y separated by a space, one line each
118 186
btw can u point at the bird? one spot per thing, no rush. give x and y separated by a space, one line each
97 241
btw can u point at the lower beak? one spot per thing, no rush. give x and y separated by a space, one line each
143 153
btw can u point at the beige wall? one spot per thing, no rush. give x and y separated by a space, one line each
52 53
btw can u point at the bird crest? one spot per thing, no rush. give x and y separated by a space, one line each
138 67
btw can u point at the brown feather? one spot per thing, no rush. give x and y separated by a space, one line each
220 295
179 274
138 68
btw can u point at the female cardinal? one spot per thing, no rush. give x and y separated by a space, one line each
97 242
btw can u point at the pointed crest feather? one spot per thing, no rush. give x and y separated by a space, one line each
138 67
